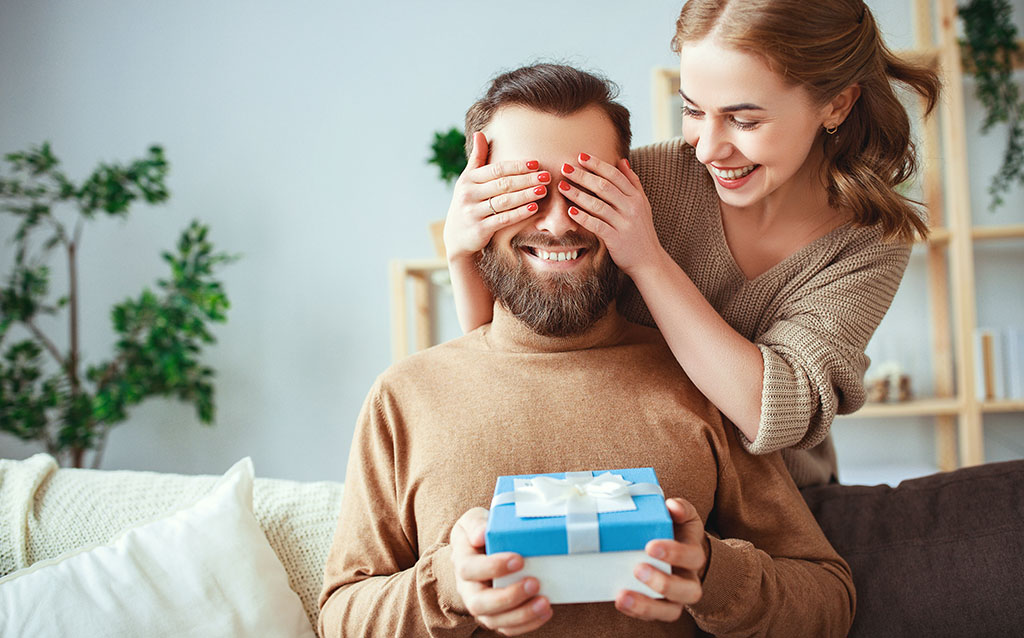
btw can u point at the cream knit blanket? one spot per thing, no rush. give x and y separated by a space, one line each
46 511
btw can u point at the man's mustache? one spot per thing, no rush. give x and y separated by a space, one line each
545 240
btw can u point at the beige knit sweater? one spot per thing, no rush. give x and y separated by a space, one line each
811 315
440 426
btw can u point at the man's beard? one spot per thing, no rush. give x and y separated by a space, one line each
551 304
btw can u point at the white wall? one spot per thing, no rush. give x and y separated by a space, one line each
299 132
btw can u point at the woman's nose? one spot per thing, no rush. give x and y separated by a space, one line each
712 143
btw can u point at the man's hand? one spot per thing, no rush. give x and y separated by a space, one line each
688 557
511 610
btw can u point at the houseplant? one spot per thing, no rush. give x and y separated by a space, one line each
45 395
448 152
990 41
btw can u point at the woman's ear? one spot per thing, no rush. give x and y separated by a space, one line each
834 113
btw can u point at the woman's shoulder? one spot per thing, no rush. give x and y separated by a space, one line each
677 185
667 159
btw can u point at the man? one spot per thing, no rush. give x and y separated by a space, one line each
559 381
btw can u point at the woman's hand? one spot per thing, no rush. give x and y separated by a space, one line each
615 209
511 610
688 557
489 197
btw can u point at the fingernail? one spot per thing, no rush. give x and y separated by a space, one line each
627 602
584 157
540 190
544 177
573 210
627 164
564 186
532 207
658 552
533 165
531 586
513 564
567 169
540 605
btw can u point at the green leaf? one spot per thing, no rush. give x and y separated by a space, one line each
448 152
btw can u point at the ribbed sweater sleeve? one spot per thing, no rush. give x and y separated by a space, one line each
811 315
377 582
814 361
791 583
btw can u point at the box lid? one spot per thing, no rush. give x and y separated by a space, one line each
619 531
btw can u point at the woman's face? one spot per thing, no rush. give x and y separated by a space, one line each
753 131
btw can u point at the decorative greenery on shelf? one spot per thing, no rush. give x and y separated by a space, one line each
449 153
160 334
991 37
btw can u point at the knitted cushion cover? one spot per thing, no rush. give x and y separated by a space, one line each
46 511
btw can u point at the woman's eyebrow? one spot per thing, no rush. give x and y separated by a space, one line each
746 106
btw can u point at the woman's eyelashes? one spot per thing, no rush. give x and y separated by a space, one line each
743 125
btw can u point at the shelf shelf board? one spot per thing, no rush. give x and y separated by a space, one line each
1003 405
917 407
941 236
1011 231
421 266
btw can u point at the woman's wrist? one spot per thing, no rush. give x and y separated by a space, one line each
658 263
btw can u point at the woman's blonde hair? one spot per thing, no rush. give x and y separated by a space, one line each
826 46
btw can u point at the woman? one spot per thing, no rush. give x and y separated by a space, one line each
768 242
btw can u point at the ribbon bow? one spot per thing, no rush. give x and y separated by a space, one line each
578 497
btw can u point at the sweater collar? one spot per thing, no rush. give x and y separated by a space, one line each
508 333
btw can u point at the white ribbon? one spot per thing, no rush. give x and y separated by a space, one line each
578 497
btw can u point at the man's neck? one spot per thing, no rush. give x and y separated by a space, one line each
507 332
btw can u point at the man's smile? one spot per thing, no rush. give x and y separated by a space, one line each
555 258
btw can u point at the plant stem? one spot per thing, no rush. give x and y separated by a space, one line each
49 345
73 312
97 450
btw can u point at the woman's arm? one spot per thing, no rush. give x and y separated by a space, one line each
474 304
723 364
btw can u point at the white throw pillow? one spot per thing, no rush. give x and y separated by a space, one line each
204 571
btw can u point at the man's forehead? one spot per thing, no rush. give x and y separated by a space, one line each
517 132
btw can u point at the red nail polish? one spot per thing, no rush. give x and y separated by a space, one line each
540 190
544 177
533 165
532 207
567 169
627 164
584 157
563 186
573 210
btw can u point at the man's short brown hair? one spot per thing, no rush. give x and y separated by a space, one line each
550 88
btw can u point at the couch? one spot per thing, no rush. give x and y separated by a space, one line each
937 556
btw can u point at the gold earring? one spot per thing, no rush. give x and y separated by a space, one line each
831 130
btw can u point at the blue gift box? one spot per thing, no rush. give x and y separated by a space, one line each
613 541
619 531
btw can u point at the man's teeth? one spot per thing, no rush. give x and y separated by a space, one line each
733 173
543 254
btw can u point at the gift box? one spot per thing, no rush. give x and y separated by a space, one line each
580 534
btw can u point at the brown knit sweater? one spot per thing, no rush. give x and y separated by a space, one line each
811 315
439 427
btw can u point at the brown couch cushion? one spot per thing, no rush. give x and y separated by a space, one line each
941 555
